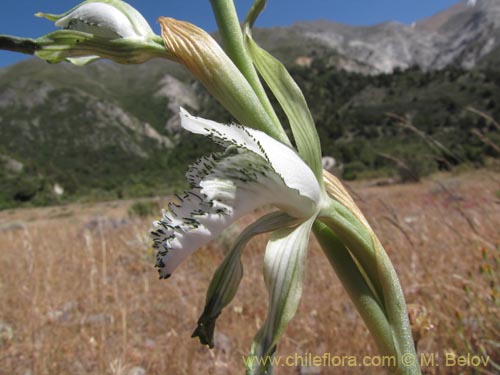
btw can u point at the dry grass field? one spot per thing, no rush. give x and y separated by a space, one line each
79 295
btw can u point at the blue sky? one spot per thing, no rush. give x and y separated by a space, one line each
16 16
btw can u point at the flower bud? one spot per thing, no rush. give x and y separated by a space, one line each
205 59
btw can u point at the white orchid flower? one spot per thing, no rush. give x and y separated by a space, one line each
257 168
98 29
254 171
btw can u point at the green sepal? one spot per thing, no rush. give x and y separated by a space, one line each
61 45
234 45
228 275
50 17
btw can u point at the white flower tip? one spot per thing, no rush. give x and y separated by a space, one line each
109 19
99 19
195 124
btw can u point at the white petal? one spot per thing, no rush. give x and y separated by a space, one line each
283 160
284 267
99 19
254 171
224 188
80 61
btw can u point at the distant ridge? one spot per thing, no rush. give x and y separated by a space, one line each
461 35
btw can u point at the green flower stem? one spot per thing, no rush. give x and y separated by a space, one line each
356 236
62 44
66 44
379 274
232 38
16 44
396 309
357 288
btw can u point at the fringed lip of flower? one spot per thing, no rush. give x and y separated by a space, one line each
254 170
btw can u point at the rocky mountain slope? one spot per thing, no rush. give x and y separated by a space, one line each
68 125
461 35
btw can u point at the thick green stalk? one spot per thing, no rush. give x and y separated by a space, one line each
375 266
232 39
357 288
356 236
397 312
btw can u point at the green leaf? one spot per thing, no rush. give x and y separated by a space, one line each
256 9
228 275
291 99
284 268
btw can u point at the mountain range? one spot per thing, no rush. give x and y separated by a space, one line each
111 128
461 35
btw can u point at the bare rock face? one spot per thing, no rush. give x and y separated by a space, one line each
460 35
383 47
111 115
179 94
11 165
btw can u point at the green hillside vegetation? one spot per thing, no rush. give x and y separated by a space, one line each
409 123
85 134
64 138
418 118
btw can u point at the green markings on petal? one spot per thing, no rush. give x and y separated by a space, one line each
228 275
284 268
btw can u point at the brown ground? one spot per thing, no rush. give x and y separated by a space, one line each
79 295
